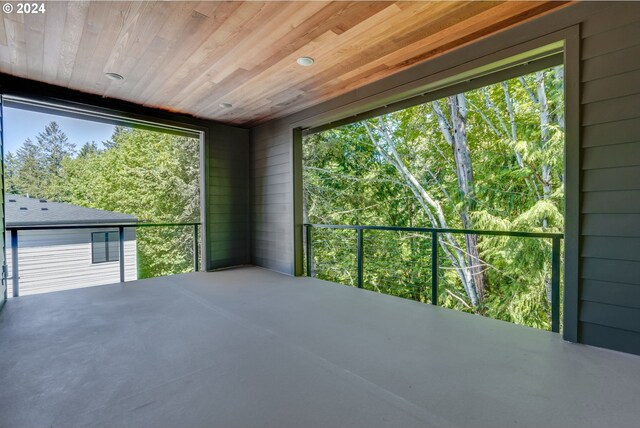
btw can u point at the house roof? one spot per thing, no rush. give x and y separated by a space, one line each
25 211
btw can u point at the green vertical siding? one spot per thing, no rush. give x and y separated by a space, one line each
272 197
609 312
227 196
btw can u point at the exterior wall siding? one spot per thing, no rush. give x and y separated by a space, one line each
227 197
272 197
608 307
55 260
609 311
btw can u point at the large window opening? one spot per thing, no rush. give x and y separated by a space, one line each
92 199
487 159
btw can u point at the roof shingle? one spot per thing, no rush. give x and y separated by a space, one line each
24 211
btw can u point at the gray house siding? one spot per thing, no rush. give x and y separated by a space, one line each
608 306
227 197
272 196
54 260
610 276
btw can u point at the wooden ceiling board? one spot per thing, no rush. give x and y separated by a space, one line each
420 50
189 56
183 39
272 73
234 59
340 53
353 52
184 66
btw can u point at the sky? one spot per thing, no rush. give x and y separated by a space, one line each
22 124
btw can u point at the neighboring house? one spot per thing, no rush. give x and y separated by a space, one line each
60 259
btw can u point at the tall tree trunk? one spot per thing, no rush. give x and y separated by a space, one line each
466 184
544 132
546 169
513 136
455 134
559 74
539 97
386 146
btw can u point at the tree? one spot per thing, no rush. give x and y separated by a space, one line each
152 175
27 171
54 148
454 130
480 160
10 171
36 168
88 150
386 145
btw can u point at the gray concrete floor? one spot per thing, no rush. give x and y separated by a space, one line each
251 348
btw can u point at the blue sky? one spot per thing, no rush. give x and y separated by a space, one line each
22 124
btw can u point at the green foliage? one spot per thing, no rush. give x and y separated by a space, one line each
88 150
153 176
36 168
518 170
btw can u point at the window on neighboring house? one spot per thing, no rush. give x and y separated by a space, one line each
105 247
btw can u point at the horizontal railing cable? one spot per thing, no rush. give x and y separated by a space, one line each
120 227
433 234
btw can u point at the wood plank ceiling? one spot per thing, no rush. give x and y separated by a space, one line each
192 56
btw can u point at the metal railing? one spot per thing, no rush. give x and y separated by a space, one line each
434 233
14 234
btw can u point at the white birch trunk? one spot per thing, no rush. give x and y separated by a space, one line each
385 145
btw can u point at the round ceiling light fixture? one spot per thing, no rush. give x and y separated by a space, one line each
226 105
114 76
305 61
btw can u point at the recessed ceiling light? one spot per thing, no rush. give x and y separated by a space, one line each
226 105
305 61
114 76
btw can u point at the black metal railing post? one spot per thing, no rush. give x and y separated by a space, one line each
14 231
15 269
359 258
121 250
309 250
196 249
435 232
434 267
555 284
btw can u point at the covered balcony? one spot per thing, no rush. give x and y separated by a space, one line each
254 337
248 347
